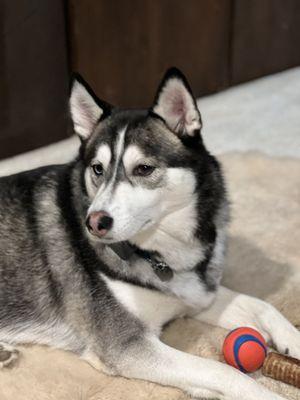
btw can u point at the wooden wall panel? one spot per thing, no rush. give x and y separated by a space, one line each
265 38
122 47
34 77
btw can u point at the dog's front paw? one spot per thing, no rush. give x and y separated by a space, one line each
8 355
280 333
289 342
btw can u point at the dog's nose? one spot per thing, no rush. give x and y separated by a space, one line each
99 223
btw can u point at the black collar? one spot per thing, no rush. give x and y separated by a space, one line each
126 250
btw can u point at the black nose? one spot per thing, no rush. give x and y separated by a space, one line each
105 222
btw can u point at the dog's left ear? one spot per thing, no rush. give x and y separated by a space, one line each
176 105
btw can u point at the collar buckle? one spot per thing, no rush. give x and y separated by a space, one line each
162 270
125 250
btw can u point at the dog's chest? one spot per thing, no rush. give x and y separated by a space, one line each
155 308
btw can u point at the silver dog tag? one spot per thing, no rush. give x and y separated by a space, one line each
163 271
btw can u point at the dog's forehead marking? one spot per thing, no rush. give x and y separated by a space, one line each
103 155
132 155
119 148
106 191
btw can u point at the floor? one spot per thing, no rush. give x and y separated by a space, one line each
262 115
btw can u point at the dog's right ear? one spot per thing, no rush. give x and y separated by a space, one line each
85 107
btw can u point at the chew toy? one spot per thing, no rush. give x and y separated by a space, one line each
282 368
245 349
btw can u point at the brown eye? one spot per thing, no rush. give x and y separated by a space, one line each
97 169
143 170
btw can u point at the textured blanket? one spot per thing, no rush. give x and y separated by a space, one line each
263 260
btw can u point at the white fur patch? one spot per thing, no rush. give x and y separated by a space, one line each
132 156
191 290
151 307
84 110
103 155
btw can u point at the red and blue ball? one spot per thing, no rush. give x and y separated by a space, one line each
245 349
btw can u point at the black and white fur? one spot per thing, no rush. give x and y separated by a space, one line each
63 286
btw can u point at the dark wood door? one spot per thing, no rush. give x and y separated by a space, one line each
123 47
33 74
266 38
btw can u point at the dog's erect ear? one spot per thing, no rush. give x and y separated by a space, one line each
86 109
176 105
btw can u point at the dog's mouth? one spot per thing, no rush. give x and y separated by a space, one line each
95 238
110 239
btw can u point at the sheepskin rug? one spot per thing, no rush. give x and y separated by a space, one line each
263 260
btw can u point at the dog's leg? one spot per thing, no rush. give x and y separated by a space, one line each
150 359
8 355
231 310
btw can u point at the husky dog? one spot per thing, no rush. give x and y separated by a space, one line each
98 254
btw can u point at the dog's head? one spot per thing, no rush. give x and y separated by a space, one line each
139 165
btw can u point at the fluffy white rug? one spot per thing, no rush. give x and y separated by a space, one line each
262 115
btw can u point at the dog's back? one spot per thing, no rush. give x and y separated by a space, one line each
28 289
